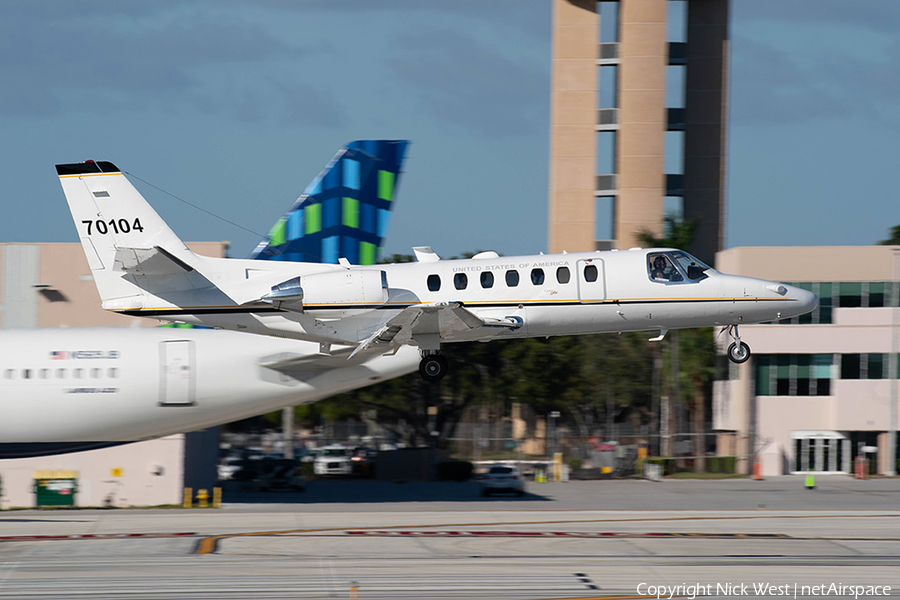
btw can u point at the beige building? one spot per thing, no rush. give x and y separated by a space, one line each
614 117
818 389
50 285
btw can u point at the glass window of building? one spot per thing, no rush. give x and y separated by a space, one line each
793 374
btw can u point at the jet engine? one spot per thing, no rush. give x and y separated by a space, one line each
333 294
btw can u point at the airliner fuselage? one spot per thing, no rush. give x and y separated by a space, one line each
73 385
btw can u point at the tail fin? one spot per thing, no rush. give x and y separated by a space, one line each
120 233
344 212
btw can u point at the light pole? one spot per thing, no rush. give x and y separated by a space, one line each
552 433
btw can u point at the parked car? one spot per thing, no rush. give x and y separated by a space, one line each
502 478
333 460
227 467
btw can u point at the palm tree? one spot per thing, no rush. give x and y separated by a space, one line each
695 371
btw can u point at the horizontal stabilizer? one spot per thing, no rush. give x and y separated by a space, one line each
149 261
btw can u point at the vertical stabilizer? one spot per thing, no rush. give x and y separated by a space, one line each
344 212
120 232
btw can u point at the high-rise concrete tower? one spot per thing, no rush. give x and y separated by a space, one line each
620 102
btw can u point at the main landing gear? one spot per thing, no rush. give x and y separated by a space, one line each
738 351
433 367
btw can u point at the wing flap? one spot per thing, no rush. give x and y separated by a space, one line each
436 319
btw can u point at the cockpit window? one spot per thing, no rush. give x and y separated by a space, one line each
673 267
663 269
693 268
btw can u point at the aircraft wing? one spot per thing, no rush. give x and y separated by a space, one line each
435 319
289 362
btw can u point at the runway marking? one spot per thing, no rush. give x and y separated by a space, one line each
210 544
586 581
565 534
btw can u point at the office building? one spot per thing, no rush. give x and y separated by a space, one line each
818 390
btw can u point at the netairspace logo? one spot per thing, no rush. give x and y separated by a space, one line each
691 591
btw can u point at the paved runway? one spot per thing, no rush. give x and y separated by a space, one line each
576 540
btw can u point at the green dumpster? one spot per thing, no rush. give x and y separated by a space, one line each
55 488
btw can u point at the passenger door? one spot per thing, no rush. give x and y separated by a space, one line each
177 373
591 280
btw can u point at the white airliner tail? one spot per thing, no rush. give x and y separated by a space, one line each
127 244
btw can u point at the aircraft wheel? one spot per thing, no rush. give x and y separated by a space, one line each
433 368
739 354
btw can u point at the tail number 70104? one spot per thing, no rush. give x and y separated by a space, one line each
114 225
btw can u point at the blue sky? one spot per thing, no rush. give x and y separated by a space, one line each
235 106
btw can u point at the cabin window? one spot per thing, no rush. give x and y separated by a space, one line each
44 373
95 373
487 279
590 273
662 269
26 373
9 374
460 281
113 373
512 278
60 373
563 275
434 283
76 373
537 276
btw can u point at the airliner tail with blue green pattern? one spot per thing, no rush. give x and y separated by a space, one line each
344 212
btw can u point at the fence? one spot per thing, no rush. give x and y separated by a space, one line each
619 456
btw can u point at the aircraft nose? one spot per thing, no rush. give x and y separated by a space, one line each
802 301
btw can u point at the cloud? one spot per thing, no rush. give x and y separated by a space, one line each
468 83
874 15
776 86
165 60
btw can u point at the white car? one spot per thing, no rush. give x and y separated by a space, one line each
227 467
503 478
333 460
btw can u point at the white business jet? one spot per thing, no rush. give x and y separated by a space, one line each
142 268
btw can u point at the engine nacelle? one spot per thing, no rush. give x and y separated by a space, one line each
333 294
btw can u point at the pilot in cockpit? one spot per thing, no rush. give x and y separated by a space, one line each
662 269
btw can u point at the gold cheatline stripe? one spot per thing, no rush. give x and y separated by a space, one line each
90 174
476 303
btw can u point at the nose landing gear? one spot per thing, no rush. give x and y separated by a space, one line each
738 351
433 367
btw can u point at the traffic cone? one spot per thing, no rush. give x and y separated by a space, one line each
757 469
810 481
